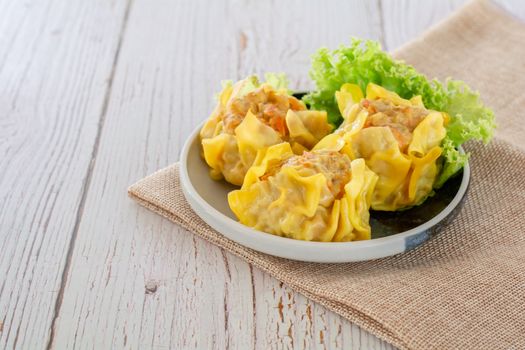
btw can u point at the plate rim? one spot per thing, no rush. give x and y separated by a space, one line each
273 244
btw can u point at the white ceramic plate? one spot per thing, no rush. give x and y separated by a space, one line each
390 235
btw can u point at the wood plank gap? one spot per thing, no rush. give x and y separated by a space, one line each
254 306
381 24
87 180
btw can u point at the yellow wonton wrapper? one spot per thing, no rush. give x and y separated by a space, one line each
230 153
296 201
405 178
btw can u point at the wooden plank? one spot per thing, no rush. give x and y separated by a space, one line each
404 20
55 61
139 281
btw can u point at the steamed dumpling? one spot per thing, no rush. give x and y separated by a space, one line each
251 116
317 196
399 140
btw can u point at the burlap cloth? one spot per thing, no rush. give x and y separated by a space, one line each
465 287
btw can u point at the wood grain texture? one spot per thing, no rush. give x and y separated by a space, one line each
404 20
91 102
136 280
55 61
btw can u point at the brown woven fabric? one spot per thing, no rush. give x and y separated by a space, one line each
465 287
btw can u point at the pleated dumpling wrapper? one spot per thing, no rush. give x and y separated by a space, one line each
399 140
250 116
317 196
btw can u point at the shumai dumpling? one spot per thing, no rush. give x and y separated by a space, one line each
320 195
399 140
250 116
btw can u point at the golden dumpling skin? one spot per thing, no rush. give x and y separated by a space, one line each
250 116
399 140
317 196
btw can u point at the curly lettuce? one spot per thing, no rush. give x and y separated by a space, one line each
278 81
364 62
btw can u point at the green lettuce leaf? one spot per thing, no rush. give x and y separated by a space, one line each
363 62
278 81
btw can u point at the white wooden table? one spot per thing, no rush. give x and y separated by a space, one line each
96 94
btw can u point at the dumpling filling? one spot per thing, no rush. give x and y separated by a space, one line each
401 120
317 196
335 166
266 104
